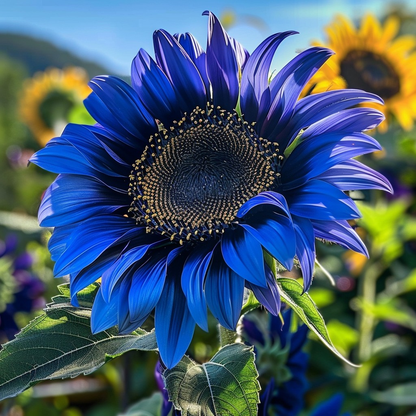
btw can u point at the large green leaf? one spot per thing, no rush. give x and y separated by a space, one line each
226 385
292 292
59 344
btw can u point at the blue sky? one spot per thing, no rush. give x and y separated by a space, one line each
112 31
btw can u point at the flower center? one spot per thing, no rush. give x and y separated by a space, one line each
370 72
191 181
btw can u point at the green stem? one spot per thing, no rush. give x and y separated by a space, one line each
227 336
366 322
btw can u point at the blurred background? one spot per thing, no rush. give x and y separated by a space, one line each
48 52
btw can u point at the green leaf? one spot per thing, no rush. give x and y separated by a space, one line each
151 406
226 385
59 344
305 308
85 297
399 395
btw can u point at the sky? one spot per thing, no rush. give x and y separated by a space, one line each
111 32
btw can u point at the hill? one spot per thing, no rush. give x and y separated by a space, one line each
37 55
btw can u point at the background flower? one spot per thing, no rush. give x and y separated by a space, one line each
371 58
27 289
48 99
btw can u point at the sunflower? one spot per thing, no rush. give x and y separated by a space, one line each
195 171
373 59
48 98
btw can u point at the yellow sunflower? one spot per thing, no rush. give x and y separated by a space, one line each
48 98
373 59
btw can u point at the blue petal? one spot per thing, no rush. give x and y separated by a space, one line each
244 254
275 233
193 278
147 285
180 70
241 54
83 137
269 296
97 151
123 316
305 248
305 63
123 102
319 200
61 156
100 112
255 77
315 107
154 88
224 291
196 53
315 155
126 324
353 175
113 274
264 198
91 238
173 321
73 198
103 314
53 159
121 149
92 273
59 240
222 65
346 121
286 87
339 232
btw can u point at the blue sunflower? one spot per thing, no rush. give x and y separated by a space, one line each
196 170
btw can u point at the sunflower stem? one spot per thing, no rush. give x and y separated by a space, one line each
227 336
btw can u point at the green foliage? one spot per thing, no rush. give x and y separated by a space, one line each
388 226
59 344
342 336
150 406
305 308
7 283
322 297
271 357
399 395
226 385
80 115
393 310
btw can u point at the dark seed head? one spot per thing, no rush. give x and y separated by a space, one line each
192 179
371 72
